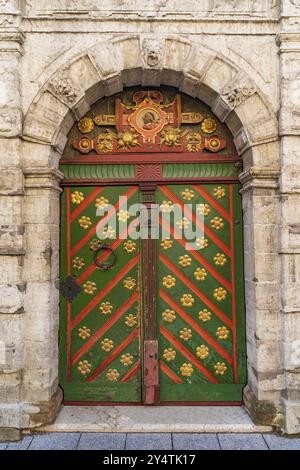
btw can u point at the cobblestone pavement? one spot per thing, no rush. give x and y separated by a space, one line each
154 441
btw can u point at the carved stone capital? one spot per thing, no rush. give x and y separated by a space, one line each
11 41
43 178
258 177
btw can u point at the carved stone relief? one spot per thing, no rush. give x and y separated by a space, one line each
62 87
234 94
152 53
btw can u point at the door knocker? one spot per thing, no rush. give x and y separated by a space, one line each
105 265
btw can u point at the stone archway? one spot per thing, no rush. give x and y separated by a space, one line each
234 97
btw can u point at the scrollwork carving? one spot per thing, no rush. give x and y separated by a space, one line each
235 94
62 87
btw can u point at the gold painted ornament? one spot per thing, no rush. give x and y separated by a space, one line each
129 283
104 142
169 354
101 202
186 370
217 223
202 351
108 232
166 206
200 274
203 209
89 287
123 215
126 359
130 320
169 315
209 125
85 222
84 367
204 315
183 223
223 333
166 244
187 300
170 137
78 263
84 332
169 281
127 139
185 334
220 294
188 194
202 243
219 192
129 246
112 375
220 259
77 197
86 125
95 244
193 141
185 261
107 344
106 308
220 368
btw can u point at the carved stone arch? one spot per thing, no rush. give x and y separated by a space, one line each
105 68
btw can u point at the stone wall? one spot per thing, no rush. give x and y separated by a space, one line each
242 58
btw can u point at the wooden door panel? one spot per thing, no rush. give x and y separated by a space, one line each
100 329
200 311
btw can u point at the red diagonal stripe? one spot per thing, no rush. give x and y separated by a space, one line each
166 370
131 373
198 257
233 286
196 291
91 233
211 341
85 203
108 324
200 190
114 354
105 291
114 245
188 355
187 212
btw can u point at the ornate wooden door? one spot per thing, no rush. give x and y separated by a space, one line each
100 326
200 307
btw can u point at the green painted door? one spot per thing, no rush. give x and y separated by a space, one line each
200 306
100 328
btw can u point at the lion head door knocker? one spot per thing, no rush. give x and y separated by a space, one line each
105 257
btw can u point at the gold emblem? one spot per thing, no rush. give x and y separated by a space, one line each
78 263
200 274
84 332
169 281
89 287
193 141
130 320
185 261
123 215
84 367
77 197
129 246
203 209
127 139
104 142
107 345
105 308
183 223
112 375
85 222
202 243
166 244
86 125
220 368
217 223
169 315
108 232
187 300
169 354
101 202
222 332
129 283
188 194
219 192
209 125
170 137
185 334
204 315
126 359
220 259
186 370
220 294
166 206
95 244
202 351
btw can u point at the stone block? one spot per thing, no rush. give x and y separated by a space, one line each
10 122
40 130
10 154
42 297
200 59
242 442
55 441
147 441
219 74
11 239
102 441
195 442
292 341
11 299
11 181
41 206
176 54
11 270
10 210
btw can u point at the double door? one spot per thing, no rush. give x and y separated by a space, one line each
152 299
